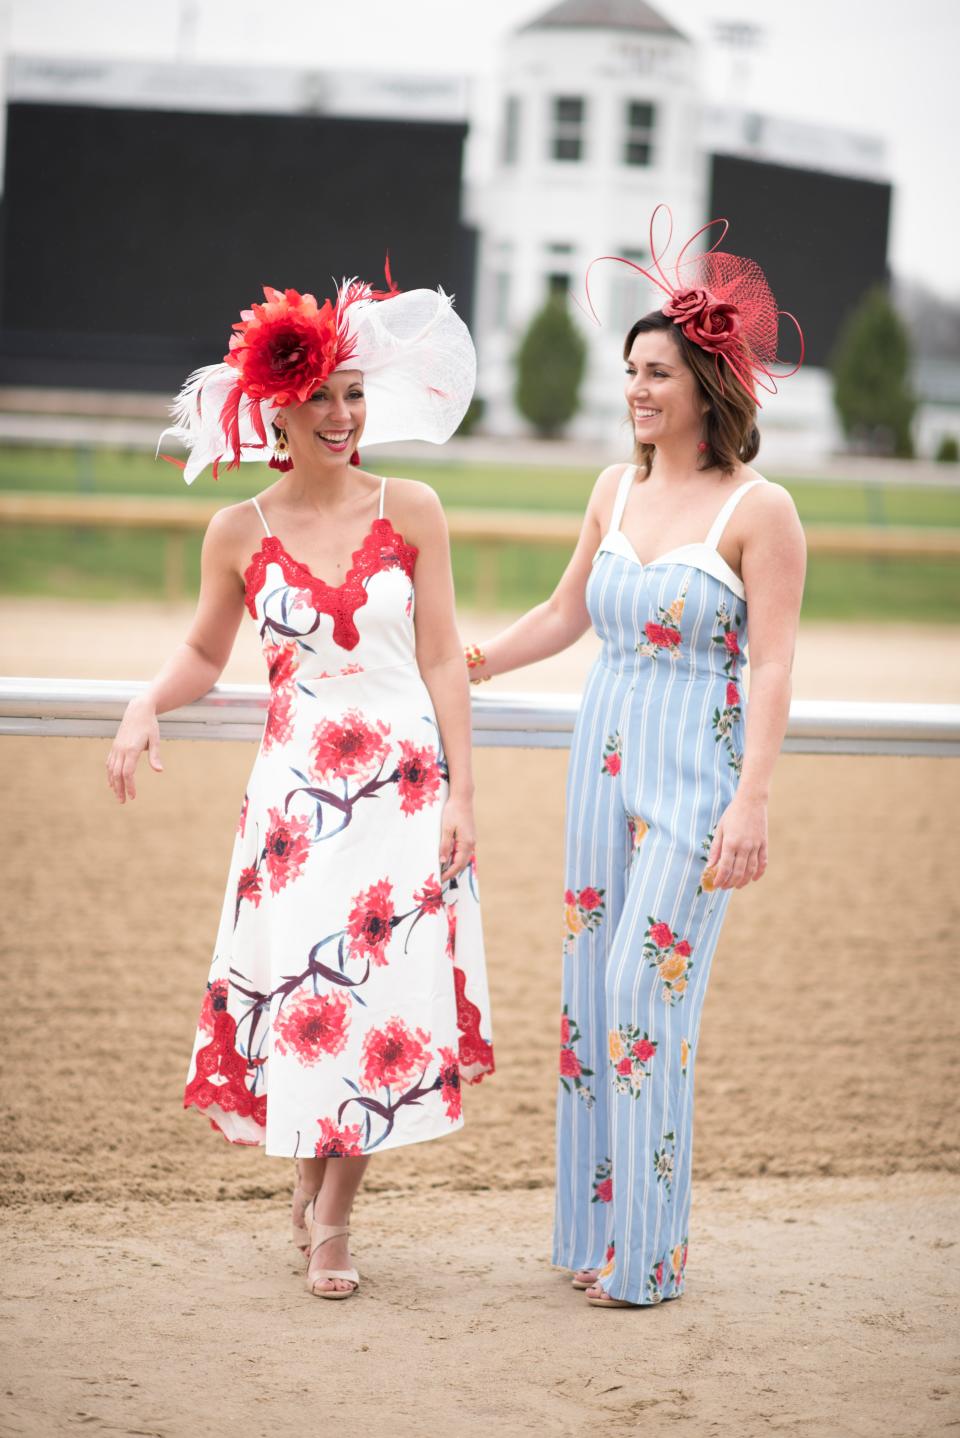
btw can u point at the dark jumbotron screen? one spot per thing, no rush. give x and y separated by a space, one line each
132 238
821 240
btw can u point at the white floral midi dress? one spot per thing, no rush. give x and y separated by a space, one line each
347 999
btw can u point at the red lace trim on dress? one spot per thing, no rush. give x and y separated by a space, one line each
476 1054
219 1058
382 549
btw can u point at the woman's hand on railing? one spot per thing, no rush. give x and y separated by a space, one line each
138 730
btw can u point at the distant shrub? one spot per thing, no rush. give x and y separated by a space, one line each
871 385
948 450
550 366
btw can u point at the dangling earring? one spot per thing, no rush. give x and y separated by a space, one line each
280 459
702 447
355 457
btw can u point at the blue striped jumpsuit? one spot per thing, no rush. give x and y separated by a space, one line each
656 757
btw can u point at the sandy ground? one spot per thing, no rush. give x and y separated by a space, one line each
149 1289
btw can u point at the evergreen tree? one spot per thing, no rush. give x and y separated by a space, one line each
550 366
871 380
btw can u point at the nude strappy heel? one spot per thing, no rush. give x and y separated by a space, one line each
320 1233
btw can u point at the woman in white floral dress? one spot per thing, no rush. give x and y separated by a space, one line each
347 996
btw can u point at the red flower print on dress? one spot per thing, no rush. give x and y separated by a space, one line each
248 885
582 911
733 695
725 720
287 847
670 957
242 821
281 672
429 899
572 1070
612 756
451 932
569 1064
312 1025
731 642
392 1055
350 749
338 1142
371 922
214 1002
630 1053
419 777
450 1092
661 635
603 1183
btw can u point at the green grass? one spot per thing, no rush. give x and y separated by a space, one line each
461 484
102 564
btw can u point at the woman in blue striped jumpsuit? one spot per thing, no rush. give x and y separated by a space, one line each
666 804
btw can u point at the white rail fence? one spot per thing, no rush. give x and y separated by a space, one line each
69 708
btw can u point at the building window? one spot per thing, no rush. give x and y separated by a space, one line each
510 147
568 120
631 296
641 122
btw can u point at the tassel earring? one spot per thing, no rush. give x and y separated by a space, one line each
355 457
280 459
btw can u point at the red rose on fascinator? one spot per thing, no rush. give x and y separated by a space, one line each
712 324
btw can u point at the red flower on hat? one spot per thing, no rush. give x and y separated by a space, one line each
715 325
284 349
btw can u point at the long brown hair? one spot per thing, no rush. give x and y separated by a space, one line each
731 436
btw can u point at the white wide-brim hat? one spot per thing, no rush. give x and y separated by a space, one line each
419 370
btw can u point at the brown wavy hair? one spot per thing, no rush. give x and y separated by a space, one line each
731 436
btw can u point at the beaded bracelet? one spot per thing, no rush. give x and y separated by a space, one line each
475 657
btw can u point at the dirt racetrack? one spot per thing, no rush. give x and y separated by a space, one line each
146 1256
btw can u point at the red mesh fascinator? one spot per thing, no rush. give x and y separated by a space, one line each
721 302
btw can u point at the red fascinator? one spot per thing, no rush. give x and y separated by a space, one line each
721 302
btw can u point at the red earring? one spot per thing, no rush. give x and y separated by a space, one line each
280 459
702 447
355 457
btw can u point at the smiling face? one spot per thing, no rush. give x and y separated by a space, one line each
326 427
662 392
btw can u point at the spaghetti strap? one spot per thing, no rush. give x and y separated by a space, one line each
623 494
383 490
720 523
260 512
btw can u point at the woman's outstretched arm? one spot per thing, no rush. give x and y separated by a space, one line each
196 664
560 620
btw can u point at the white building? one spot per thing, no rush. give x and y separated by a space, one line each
598 123
601 119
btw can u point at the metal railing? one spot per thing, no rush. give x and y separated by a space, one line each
73 708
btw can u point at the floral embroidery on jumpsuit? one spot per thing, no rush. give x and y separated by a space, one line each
664 698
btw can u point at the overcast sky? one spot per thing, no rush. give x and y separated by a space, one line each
880 66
